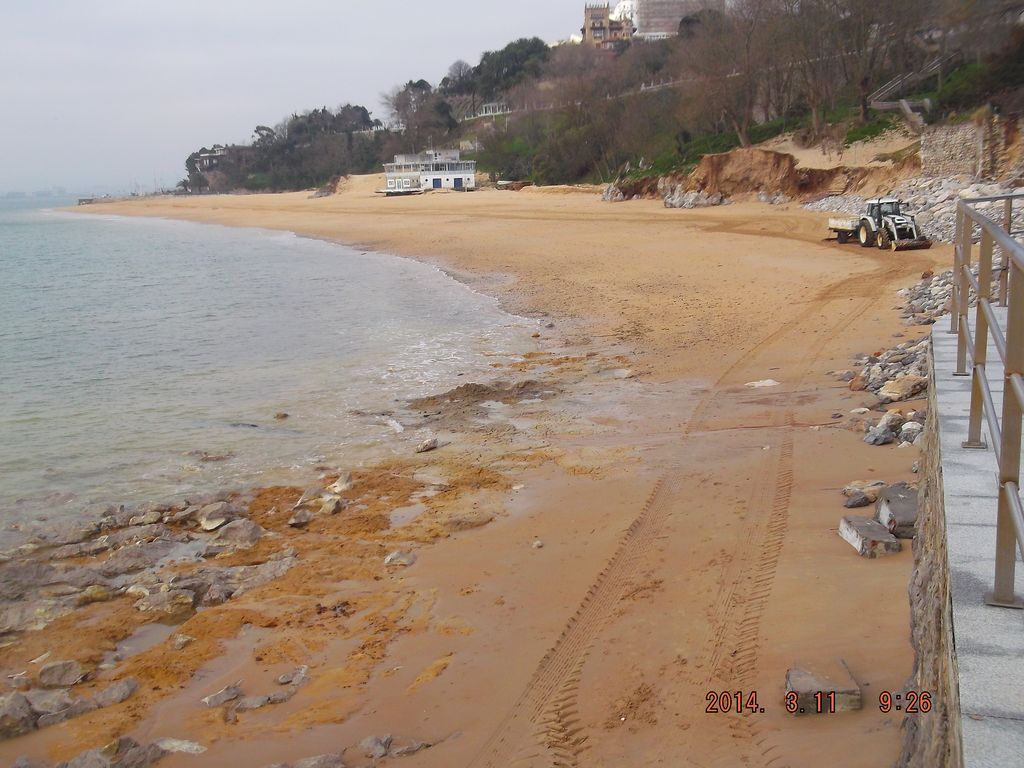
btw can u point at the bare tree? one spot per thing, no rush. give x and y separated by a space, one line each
727 54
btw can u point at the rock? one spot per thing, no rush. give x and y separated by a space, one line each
342 484
871 488
181 641
858 383
180 746
47 702
75 533
893 420
280 416
61 674
870 538
301 518
251 702
95 593
123 753
466 521
808 686
147 518
409 749
857 499
910 431
896 509
332 505
213 516
860 411
376 747
239 534
428 445
138 534
902 388
224 695
117 692
332 760
308 495
173 602
879 436
77 708
296 677
25 762
136 557
538 544
20 682
404 559
16 715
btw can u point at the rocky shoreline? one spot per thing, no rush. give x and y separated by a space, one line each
125 568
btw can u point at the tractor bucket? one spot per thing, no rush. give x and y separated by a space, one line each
911 245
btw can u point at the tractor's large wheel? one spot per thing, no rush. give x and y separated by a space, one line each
842 237
884 240
865 236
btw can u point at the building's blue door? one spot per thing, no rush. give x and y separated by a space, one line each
437 183
458 183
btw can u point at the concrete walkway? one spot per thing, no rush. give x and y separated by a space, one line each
989 641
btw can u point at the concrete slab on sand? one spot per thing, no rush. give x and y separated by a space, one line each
816 694
870 538
989 640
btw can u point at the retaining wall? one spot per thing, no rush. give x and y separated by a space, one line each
932 740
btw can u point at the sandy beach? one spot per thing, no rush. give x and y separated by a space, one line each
618 524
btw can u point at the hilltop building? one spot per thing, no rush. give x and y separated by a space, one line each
605 29
659 19
208 159
435 169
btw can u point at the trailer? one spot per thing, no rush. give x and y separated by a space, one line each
884 224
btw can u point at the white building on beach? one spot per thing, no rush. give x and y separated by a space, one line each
436 169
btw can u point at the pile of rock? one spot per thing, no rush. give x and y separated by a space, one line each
612 194
677 197
900 373
50 701
674 192
777 199
932 201
123 551
232 700
931 298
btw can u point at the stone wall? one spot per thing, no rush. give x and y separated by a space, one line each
932 740
988 149
951 150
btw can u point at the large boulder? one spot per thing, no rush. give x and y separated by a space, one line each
903 388
16 715
61 674
123 753
239 534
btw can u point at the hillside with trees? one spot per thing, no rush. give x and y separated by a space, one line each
728 79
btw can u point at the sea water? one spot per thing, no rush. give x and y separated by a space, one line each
134 351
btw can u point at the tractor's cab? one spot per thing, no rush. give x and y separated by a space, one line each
881 207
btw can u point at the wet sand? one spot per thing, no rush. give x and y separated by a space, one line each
687 521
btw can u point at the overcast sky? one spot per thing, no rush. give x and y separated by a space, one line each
109 94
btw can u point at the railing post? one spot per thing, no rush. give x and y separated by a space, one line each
980 344
954 308
962 289
1004 268
1002 594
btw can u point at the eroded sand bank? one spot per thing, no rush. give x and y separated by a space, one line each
687 521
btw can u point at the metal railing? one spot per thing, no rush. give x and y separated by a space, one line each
1005 427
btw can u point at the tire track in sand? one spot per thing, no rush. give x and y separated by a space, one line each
544 722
